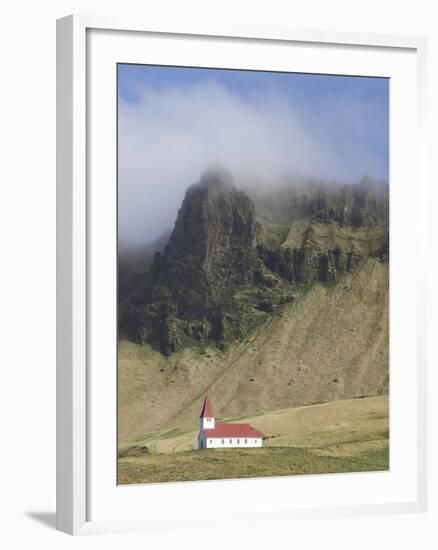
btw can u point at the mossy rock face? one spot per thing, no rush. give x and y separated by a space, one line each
223 269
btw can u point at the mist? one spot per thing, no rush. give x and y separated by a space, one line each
168 137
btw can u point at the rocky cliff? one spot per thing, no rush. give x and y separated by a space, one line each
235 257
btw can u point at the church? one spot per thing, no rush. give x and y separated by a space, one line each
225 435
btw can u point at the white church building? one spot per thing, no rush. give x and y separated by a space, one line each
213 435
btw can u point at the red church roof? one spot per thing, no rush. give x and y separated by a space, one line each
233 430
206 408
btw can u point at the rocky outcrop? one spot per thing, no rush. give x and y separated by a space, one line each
315 251
212 246
350 205
210 282
230 262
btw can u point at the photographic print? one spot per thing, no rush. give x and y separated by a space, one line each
253 274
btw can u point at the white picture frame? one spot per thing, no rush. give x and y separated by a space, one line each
75 218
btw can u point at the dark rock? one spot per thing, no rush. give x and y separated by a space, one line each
191 286
222 270
384 250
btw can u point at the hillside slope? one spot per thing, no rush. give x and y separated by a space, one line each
330 343
341 436
339 428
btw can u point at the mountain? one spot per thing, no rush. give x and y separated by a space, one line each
236 257
331 343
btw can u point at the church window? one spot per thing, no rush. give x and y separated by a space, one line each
223 441
231 441
238 441
246 441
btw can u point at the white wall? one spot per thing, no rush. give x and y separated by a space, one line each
207 423
27 286
231 442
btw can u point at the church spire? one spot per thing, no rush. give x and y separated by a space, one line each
206 411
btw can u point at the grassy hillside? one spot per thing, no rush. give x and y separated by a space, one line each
335 428
242 463
330 344
343 436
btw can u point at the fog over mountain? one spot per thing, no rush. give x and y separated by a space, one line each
168 137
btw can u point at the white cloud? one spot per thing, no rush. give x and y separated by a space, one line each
169 137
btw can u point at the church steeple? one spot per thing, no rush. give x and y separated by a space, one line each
206 408
206 418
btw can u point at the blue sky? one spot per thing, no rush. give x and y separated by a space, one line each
314 89
175 121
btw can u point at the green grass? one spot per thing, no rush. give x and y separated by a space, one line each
343 436
242 463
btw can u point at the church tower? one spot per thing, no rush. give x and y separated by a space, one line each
206 419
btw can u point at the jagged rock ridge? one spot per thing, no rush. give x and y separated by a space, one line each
231 260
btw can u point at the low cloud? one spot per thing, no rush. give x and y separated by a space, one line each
169 137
